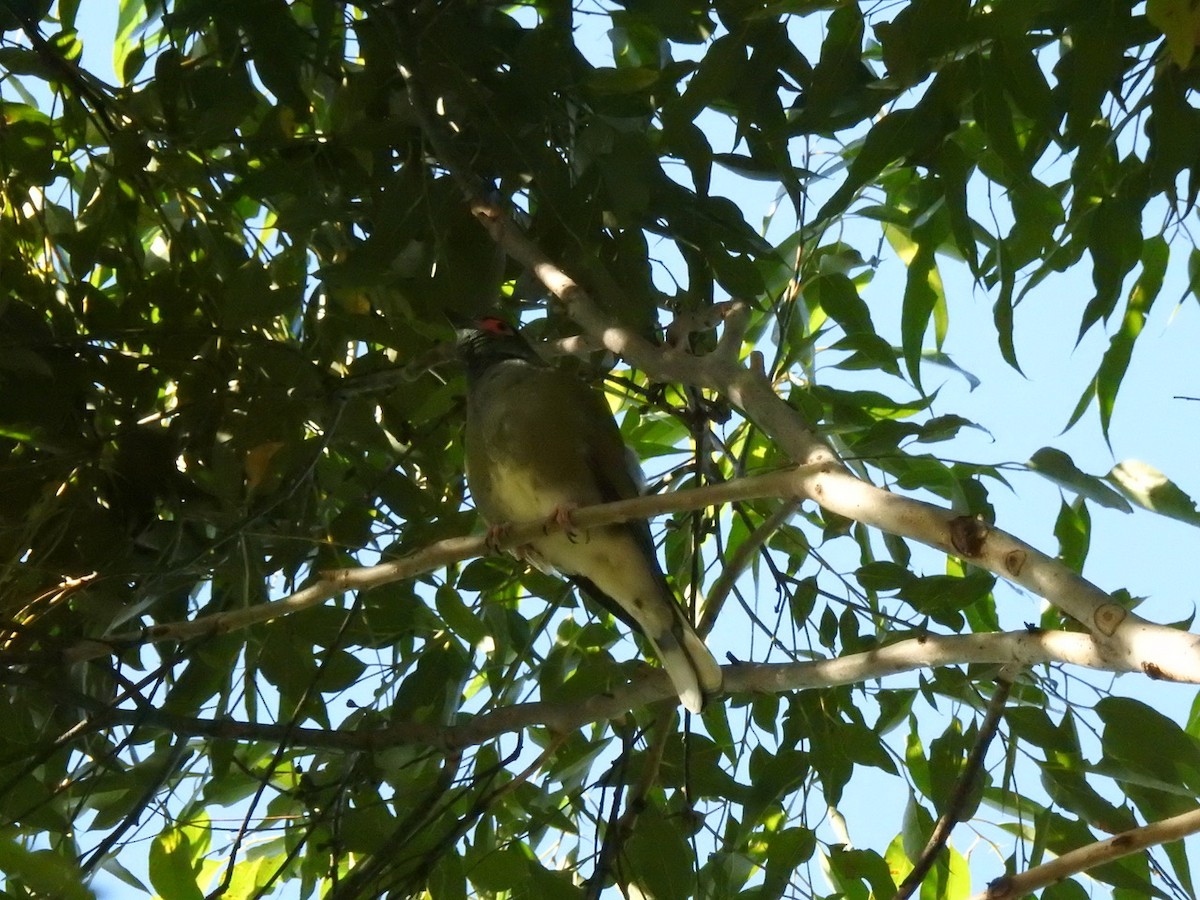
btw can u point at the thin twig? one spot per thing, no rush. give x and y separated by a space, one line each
963 787
635 802
738 561
612 834
280 750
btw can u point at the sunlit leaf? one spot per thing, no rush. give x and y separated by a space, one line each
171 868
1152 490
1178 21
1058 467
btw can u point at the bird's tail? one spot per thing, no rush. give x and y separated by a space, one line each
690 664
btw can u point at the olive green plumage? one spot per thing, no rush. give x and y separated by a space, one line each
539 441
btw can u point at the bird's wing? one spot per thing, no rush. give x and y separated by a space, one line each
617 473
692 667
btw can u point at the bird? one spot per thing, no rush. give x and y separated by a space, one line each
540 442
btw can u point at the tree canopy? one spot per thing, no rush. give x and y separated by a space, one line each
253 641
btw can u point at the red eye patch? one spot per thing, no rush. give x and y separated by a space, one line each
495 325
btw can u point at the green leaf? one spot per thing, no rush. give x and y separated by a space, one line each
802 600
915 828
955 169
625 80
1073 528
251 875
132 15
839 298
921 32
553 885
1151 489
1145 746
1092 66
943 428
884 576
891 138
365 829
1032 724
772 778
432 692
942 596
1039 213
250 295
1066 890
44 872
458 617
747 166
171 866
1115 241
276 44
1155 255
500 869
1002 310
1193 265
923 294
1177 20
995 117
787 850
658 858
29 143
947 756
1065 782
849 867
1058 467
448 880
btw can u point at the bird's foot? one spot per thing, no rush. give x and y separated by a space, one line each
495 534
561 518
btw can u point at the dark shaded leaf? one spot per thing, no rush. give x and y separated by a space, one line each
658 857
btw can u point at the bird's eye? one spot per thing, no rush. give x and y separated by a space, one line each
494 325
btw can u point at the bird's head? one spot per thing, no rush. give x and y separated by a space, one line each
487 341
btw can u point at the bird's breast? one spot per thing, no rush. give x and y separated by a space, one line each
524 495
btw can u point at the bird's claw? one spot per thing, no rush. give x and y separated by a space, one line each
561 518
495 534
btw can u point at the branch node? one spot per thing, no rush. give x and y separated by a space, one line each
1014 562
1109 617
967 534
758 366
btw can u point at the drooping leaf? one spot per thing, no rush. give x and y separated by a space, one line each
659 860
1073 528
1152 490
1058 467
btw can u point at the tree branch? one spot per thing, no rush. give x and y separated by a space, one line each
1009 887
1022 648
1128 643
435 556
